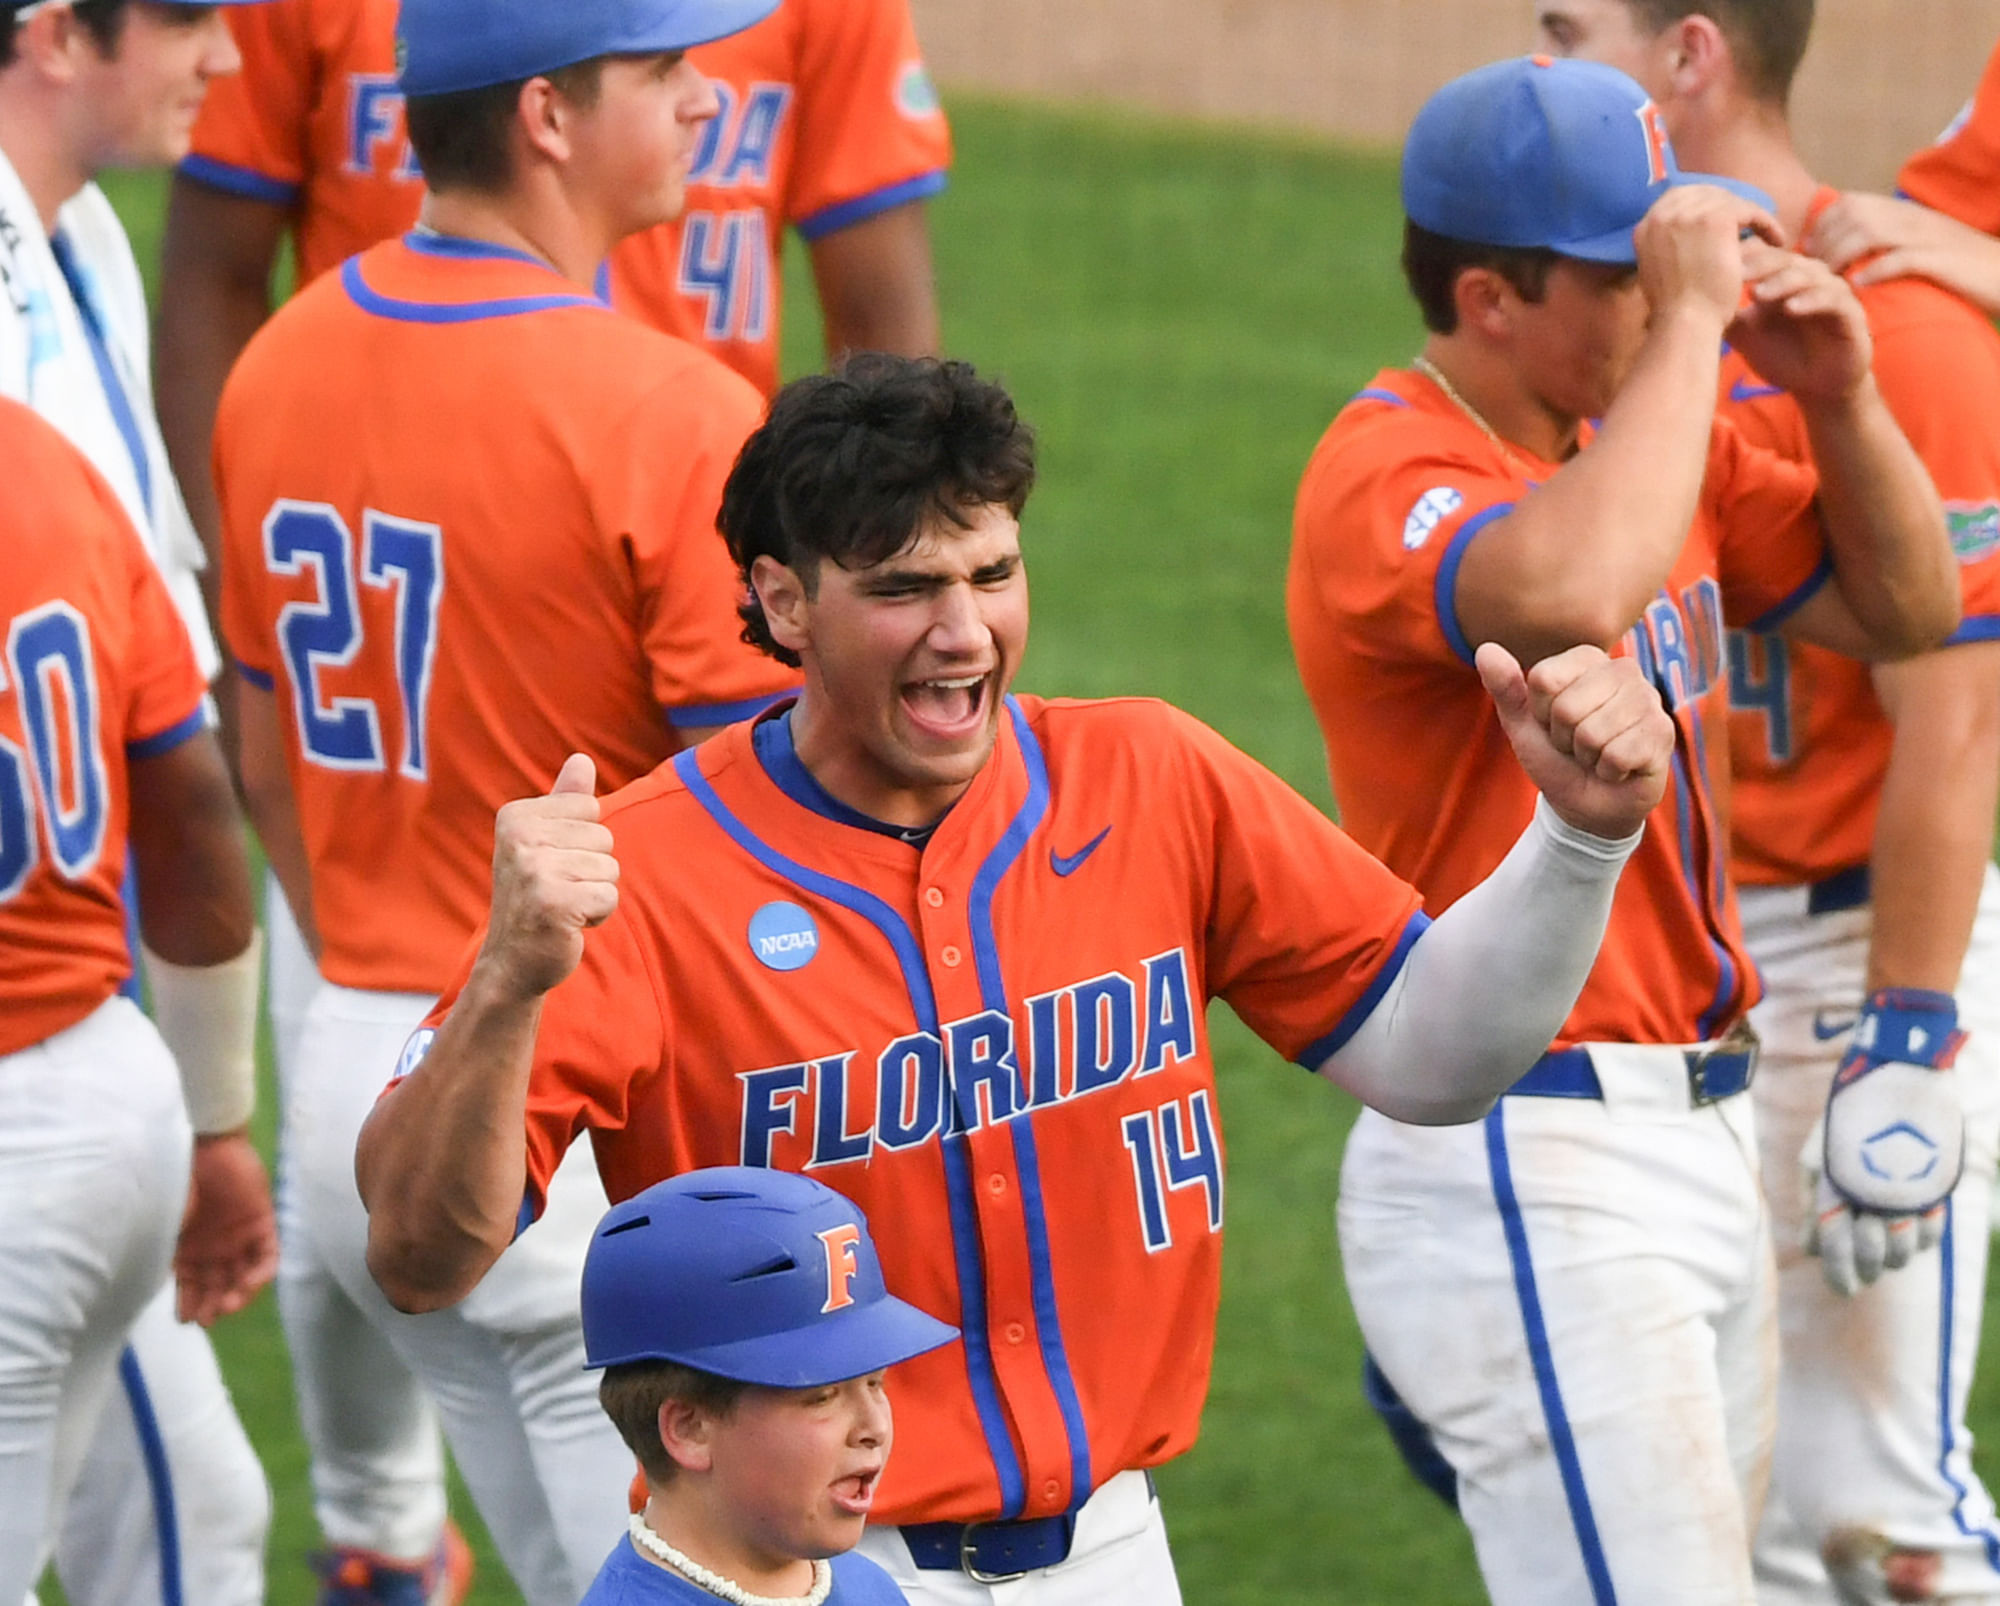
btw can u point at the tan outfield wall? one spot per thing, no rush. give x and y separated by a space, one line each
1882 77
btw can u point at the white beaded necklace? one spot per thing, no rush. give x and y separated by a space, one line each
716 1584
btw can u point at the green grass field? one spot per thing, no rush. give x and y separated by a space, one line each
1180 313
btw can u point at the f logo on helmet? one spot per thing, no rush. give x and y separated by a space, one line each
1655 128
842 1266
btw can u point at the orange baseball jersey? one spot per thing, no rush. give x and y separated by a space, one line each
828 118
1960 174
1399 486
1808 737
995 1044
96 669
468 529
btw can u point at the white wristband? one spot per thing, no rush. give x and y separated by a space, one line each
208 1016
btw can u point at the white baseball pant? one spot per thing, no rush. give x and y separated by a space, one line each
1873 1476
1119 1558
505 1366
372 1436
94 1155
1576 1297
172 1508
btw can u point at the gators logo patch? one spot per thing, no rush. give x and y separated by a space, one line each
916 95
1975 529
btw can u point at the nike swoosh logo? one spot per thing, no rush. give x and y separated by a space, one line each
1840 1028
1745 390
1070 864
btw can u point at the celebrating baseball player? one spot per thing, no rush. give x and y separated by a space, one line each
84 86
951 949
1861 833
469 526
744 1327
104 739
826 122
1576 1297
1942 226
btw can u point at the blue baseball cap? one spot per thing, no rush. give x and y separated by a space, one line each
760 1276
443 46
1563 155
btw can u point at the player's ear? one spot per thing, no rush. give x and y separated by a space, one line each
685 1435
542 120
1697 56
784 597
1485 301
49 41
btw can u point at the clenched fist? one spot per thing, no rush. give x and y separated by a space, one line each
1590 731
554 877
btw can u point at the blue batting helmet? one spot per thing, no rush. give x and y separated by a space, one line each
760 1276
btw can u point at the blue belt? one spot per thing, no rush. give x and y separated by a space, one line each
988 1551
1568 1074
1844 889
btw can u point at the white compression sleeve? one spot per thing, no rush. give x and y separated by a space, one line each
1483 991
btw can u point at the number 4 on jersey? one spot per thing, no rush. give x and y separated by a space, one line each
396 554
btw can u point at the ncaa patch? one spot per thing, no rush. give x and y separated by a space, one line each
414 1051
1432 509
916 95
783 937
1975 529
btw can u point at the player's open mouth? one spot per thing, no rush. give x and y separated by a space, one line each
856 1494
947 706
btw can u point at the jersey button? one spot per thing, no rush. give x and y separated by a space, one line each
1016 1333
996 1184
951 957
934 896
1050 1489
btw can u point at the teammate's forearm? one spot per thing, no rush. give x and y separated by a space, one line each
1884 524
442 1161
1578 560
1487 987
1934 835
877 290
188 859
216 262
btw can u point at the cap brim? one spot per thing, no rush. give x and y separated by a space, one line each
830 1350
704 21
1617 246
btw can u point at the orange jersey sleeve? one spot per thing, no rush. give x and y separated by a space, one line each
1809 739
828 118
97 670
1773 556
1398 488
1960 174
997 1044
452 582
313 123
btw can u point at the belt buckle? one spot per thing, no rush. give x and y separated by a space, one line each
971 1570
1740 1041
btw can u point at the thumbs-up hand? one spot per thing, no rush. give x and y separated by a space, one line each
1591 733
554 877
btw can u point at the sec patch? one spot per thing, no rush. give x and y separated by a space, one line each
1432 509
1975 529
783 937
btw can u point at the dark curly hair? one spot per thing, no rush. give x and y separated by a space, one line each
851 466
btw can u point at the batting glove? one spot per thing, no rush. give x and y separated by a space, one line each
1891 1145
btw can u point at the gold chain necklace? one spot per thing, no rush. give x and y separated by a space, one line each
1435 375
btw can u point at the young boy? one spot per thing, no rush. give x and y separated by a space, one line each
744 1329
